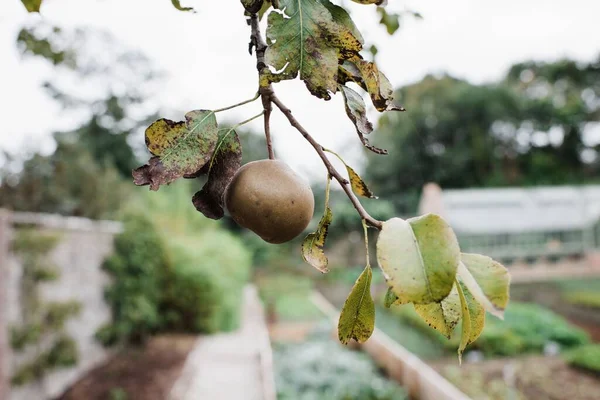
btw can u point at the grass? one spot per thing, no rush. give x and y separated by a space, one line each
289 296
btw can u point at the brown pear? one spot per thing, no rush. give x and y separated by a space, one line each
271 200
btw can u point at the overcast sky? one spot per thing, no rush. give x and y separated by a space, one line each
208 66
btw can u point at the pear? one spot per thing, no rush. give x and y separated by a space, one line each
270 199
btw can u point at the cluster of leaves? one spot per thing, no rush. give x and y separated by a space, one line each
422 264
138 267
301 372
43 323
527 328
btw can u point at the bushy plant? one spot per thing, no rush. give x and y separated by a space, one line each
526 327
586 357
139 267
209 273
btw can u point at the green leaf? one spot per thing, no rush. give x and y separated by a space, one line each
488 280
32 5
419 258
309 38
177 5
178 148
226 160
313 244
358 185
473 318
391 21
252 6
442 316
367 75
357 112
390 298
357 319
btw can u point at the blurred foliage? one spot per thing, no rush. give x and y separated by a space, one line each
67 182
287 296
585 299
586 357
63 353
531 128
42 331
211 269
302 373
138 268
526 328
171 273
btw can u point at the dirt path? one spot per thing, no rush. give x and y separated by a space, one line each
231 366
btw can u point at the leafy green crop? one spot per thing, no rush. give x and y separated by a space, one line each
303 373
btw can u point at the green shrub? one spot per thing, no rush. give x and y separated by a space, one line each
587 357
303 372
139 267
526 328
209 273
537 325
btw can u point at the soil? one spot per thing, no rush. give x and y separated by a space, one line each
145 373
535 377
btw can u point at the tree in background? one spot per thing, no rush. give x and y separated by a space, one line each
83 177
534 127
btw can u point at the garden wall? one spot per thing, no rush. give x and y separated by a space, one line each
75 260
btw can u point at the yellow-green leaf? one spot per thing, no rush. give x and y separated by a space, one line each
358 185
390 298
32 5
357 319
488 280
419 258
314 243
473 318
178 148
309 38
367 75
177 5
442 316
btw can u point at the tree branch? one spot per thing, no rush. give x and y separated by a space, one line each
330 168
268 96
265 90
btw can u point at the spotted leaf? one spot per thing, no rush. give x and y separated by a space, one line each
178 148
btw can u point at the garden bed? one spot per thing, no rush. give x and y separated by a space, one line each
146 373
531 377
320 368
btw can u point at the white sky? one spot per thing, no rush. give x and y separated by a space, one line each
205 55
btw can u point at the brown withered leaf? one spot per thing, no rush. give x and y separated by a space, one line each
225 162
357 112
